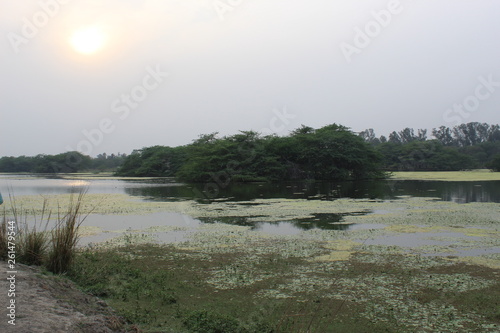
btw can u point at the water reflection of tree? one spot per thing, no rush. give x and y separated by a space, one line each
463 192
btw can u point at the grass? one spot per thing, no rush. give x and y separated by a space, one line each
32 241
473 175
64 237
30 238
164 288
34 244
3 240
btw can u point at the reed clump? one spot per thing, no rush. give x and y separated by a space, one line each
32 240
64 237
34 244
3 240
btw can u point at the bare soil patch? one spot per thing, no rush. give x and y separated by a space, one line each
46 303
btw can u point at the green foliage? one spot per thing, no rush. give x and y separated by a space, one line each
465 146
335 153
68 162
329 153
424 156
210 322
105 162
61 163
495 163
156 161
96 272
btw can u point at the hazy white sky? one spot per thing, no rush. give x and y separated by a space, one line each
91 75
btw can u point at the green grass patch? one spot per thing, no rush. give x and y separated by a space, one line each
168 289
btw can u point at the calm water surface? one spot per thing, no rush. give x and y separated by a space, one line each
162 189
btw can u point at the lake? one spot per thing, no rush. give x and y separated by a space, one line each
167 190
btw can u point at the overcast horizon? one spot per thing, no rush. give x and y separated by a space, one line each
113 76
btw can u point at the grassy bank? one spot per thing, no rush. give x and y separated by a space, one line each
285 286
473 175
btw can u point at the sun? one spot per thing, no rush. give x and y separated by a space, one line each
88 40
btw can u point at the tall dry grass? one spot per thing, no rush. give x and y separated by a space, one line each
64 236
3 238
30 241
35 244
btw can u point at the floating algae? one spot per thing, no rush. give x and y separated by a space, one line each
342 249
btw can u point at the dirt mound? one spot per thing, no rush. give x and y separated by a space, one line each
46 303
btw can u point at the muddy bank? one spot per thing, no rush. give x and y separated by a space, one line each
46 303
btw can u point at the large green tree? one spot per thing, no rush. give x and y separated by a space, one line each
329 153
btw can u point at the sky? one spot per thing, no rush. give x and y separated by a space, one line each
117 75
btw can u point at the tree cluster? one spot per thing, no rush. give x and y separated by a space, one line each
61 163
465 146
329 153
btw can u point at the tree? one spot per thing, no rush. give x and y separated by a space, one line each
424 156
444 135
407 135
471 133
369 136
395 138
494 165
155 161
329 153
303 129
494 133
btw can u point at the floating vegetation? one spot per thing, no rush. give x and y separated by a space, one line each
435 227
342 249
86 231
424 284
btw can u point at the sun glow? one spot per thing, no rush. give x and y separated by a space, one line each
88 40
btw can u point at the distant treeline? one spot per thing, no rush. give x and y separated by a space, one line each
329 153
332 152
61 163
466 146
